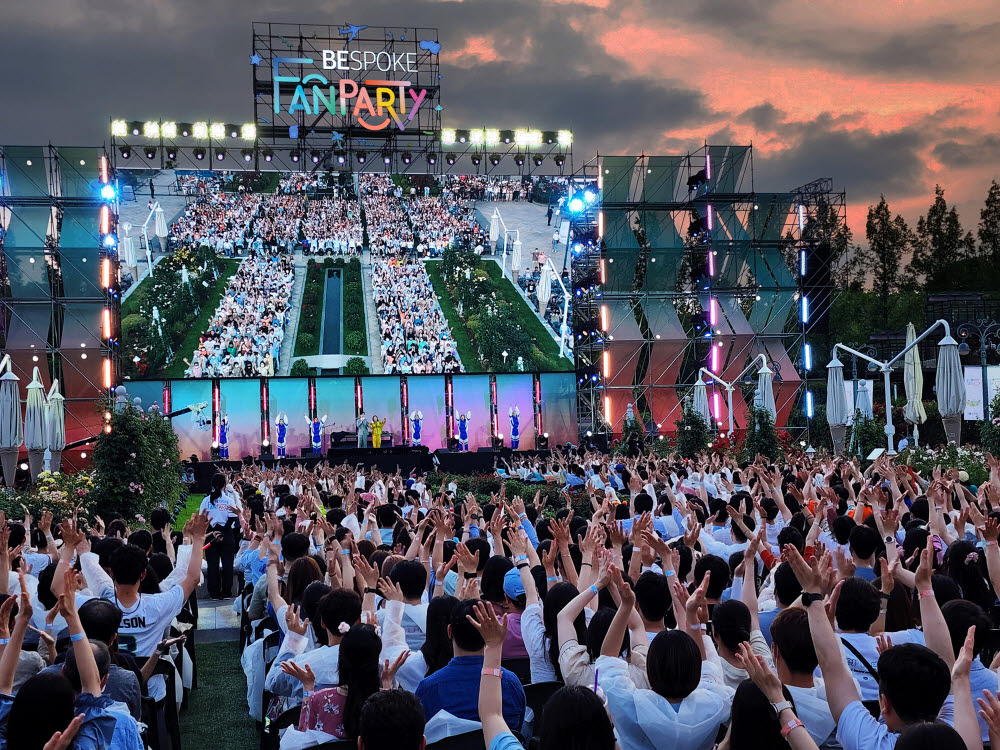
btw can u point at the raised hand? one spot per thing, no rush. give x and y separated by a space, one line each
303 673
64 740
389 669
294 621
492 630
761 674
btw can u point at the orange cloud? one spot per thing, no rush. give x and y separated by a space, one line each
479 48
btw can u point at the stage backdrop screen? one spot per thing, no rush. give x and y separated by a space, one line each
290 397
516 391
194 430
425 393
335 398
380 396
472 393
240 401
148 391
559 407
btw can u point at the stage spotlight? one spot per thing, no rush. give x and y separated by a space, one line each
408 157
110 241
362 157
185 128
200 130
199 153
341 159
217 131
432 158
495 159
542 442
151 129
135 128
477 137
492 137
247 154
150 152
698 179
168 130
538 160
234 132
220 154
519 160
125 151
294 155
476 159
559 160
315 156
575 205
119 128
451 160
498 442
268 154
249 132
506 136
448 137
387 157
108 192
171 153
565 138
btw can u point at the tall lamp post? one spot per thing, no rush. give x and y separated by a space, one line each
988 333
870 351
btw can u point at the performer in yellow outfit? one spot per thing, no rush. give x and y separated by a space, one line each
376 426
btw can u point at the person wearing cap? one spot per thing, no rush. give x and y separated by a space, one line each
514 604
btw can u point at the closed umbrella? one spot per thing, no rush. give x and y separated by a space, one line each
836 403
128 248
544 291
700 401
11 427
765 396
494 229
515 260
864 404
34 424
950 386
55 426
913 382
161 228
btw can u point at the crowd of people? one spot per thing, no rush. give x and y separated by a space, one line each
529 281
810 603
332 225
244 336
414 333
489 187
389 230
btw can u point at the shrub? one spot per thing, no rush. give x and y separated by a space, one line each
300 369
305 344
353 341
692 433
355 366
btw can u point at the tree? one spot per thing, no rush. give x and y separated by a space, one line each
300 369
355 366
887 240
692 433
940 242
989 224
761 438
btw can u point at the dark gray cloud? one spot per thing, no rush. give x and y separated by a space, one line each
970 153
764 117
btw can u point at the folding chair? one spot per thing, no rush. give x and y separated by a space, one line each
271 738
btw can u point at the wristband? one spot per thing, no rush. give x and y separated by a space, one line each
587 564
594 590
76 637
4 641
552 579
370 590
793 724
522 565
306 693
469 576
487 672
699 626
523 516
925 592
345 552
669 573
991 543
521 558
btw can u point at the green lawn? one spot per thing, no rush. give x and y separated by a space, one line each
466 352
528 320
190 508
217 714
525 317
193 336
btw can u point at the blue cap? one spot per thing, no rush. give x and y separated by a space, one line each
512 585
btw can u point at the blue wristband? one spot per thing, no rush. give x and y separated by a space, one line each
521 558
4 641
76 637
670 573
594 589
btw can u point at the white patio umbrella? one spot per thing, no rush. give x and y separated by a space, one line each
913 383
765 390
161 228
950 386
11 427
836 403
128 248
864 404
515 260
544 291
55 426
34 424
699 402
494 229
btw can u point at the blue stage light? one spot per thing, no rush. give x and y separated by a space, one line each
590 195
576 205
809 405
108 192
577 248
110 241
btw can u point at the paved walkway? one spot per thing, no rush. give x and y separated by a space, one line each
374 337
292 321
529 219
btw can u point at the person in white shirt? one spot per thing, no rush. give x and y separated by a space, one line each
222 506
411 577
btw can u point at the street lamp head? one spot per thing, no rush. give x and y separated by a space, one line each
872 367
963 348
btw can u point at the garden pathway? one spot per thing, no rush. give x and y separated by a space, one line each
292 321
374 340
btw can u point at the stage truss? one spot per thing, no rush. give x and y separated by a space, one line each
691 268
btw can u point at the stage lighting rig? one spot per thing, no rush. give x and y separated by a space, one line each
559 160
125 151
696 180
431 158
495 159
341 159
476 160
171 153
538 160
519 160
387 157
247 154
268 154
294 155
408 157
199 153
150 152
220 154
362 157
315 156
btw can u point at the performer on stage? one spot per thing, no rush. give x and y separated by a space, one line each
198 412
463 431
361 425
224 437
515 426
377 431
416 418
316 431
282 425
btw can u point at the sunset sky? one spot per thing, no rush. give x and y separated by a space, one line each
881 96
